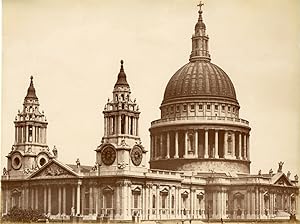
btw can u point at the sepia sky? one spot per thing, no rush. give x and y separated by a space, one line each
73 49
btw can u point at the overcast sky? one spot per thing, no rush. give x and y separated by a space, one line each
73 49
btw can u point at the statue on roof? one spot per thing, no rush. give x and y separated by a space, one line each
280 165
271 171
288 174
78 162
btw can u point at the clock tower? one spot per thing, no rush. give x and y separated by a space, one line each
30 150
121 148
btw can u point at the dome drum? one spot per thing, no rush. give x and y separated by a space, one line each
205 165
197 142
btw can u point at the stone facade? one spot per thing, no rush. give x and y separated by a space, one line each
199 157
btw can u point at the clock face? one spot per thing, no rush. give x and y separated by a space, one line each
108 155
136 155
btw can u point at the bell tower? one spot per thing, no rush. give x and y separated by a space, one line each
29 151
121 147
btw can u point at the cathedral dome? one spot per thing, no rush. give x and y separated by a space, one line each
199 79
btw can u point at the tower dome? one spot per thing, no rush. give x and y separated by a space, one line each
200 128
200 80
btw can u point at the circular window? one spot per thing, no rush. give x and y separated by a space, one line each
16 161
42 161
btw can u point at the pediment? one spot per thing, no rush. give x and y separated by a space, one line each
53 169
282 180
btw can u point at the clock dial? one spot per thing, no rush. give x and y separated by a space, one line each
108 155
136 155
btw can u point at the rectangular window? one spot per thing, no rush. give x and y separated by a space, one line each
163 201
229 109
153 201
184 107
200 107
223 107
192 107
177 108
171 109
216 107
208 107
135 200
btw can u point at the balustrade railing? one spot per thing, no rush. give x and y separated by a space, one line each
208 118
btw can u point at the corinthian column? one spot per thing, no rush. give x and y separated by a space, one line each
168 145
216 144
240 146
196 143
176 145
206 144
185 144
225 144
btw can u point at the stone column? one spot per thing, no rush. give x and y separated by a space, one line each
168 146
45 199
245 146
150 201
36 198
45 135
118 196
151 146
155 148
134 126
78 198
91 200
33 134
106 126
59 200
253 204
129 198
49 200
137 126
96 199
192 203
175 202
176 145
130 125
73 196
119 124
248 147
216 144
161 151
196 143
157 201
233 145
26 134
179 201
240 145
64 200
214 205
206 144
185 144
126 124
146 201
225 144
248 204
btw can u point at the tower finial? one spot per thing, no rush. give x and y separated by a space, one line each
31 90
121 76
200 6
